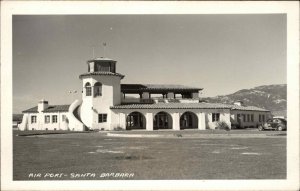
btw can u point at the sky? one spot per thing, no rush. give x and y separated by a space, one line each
220 53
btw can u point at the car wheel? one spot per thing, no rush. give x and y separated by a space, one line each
279 128
260 128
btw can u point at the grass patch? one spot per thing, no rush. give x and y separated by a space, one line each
159 158
38 132
132 157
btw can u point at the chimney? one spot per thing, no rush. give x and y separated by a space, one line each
42 105
239 103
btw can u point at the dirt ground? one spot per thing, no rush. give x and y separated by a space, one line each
95 156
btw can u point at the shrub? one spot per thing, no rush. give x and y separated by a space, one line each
118 129
178 135
223 125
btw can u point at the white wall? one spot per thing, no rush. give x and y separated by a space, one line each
224 117
40 122
204 117
92 106
24 125
247 123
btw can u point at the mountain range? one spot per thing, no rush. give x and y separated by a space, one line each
270 97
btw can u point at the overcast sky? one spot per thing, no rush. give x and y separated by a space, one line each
220 53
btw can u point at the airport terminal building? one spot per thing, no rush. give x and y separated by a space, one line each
107 104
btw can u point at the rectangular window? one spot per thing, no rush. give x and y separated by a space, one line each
47 119
252 117
248 118
104 68
215 117
88 91
244 117
239 118
33 119
54 118
263 118
102 118
63 117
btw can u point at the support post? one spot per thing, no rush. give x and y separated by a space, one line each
176 124
149 121
170 95
122 117
145 95
195 95
201 121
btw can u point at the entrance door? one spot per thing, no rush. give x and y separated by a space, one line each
162 120
188 120
239 120
135 120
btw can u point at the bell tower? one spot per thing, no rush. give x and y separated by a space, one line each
101 89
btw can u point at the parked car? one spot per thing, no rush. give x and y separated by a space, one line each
277 124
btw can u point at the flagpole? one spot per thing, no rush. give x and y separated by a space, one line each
104 48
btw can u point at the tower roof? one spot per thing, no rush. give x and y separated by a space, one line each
101 59
101 74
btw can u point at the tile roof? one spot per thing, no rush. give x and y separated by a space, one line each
101 73
159 105
247 108
51 108
173 106
31 110
125 87
56 108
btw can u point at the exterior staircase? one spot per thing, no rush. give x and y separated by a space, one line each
75 122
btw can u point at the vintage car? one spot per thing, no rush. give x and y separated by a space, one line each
278 124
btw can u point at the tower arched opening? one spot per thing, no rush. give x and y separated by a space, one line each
97 89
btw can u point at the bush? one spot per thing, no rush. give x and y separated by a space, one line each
178 135
223 125
118 129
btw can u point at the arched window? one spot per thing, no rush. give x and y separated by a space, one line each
97 89
88 89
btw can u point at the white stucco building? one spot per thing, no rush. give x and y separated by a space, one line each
107 104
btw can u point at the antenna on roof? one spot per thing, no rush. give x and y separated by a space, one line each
104 48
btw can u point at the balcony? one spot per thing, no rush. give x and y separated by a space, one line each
137 101
158 100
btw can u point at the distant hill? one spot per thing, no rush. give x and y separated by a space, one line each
17 117
271 97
